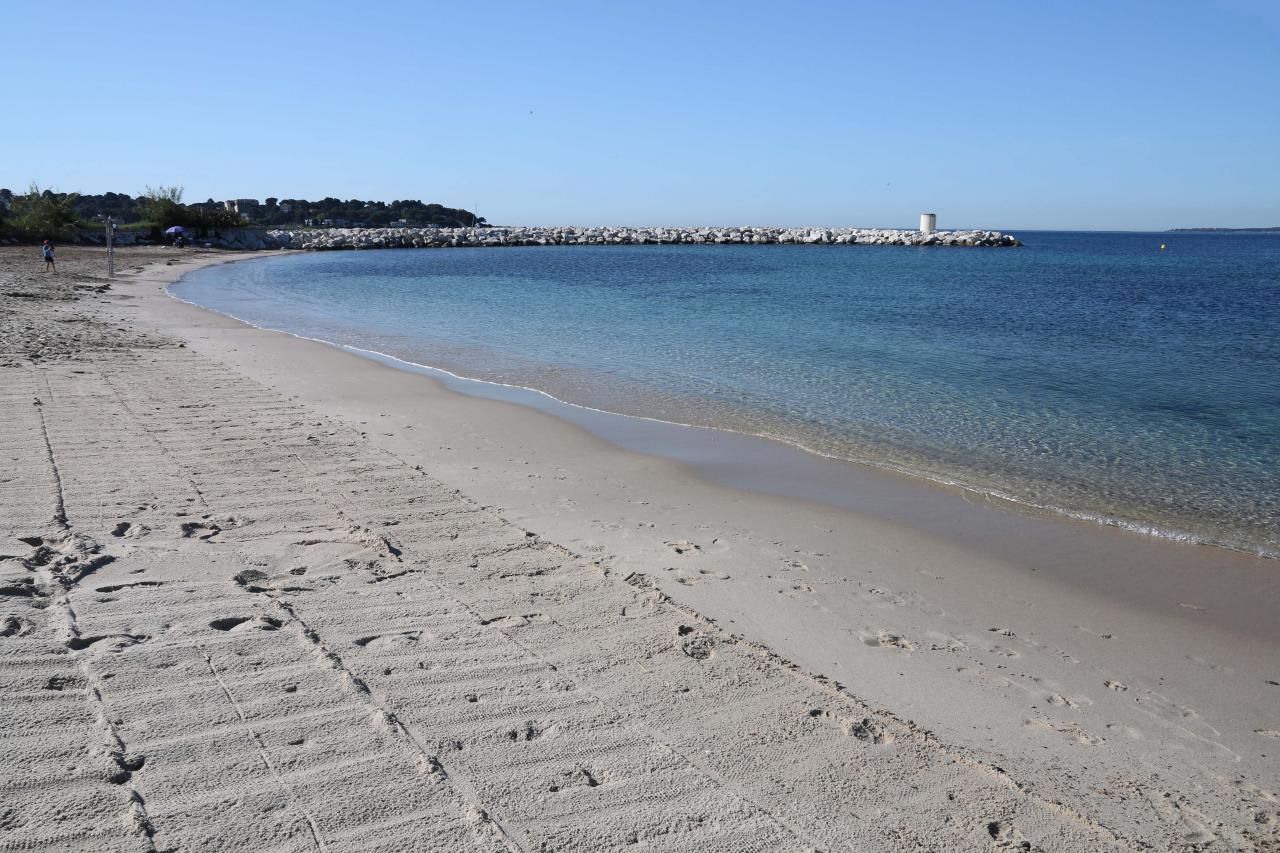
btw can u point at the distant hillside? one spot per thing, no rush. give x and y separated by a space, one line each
1232 230
43 213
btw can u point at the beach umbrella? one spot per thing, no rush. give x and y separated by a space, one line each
175 229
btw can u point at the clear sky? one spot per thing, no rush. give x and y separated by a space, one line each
1127 115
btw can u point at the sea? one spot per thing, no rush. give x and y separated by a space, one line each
1128 378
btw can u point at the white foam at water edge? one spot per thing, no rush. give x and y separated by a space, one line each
1144 528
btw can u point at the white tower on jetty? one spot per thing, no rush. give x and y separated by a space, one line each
928 223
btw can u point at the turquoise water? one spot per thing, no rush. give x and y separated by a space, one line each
1087 373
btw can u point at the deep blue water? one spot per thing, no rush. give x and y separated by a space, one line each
1090 373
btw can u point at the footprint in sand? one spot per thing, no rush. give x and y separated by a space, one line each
516 620
684 546
578 777
939 642
401 640
257 581
886 640
200 530
16 626
1005 836
864 729
531 731
251 579
644 604
246 623
116 642
136 584
129 530
686 578
879 596
1220 668
695 643
18 588
682 577
1066 701
1185 720
1161 706
639 580
69 557
1176 809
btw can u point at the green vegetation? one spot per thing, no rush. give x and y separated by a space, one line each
44 214
162 207
357 213
37 214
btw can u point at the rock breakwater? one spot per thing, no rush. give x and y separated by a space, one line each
388 238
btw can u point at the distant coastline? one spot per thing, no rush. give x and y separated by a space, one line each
1273 229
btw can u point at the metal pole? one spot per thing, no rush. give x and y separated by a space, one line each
111 255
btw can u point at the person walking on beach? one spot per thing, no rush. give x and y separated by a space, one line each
48 257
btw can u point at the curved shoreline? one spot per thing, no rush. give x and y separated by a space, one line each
1028 640
564 410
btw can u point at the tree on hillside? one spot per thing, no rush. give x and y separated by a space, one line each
43 214
119 206
163 207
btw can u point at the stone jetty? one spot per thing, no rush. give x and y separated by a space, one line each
440 238
392 238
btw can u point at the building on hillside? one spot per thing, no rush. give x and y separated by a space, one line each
245 208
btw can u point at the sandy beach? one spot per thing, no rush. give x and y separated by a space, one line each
262 593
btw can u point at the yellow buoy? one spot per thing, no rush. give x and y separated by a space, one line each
1162 247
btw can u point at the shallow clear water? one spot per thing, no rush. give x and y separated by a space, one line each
1089 373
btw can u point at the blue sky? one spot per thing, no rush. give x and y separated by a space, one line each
1034 115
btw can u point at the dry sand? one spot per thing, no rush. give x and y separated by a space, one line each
261 594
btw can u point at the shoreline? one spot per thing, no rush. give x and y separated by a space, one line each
1104 672
529 396
994 527
1023 522
542 400
922 506
1191 530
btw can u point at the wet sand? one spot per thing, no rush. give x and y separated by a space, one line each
290 597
